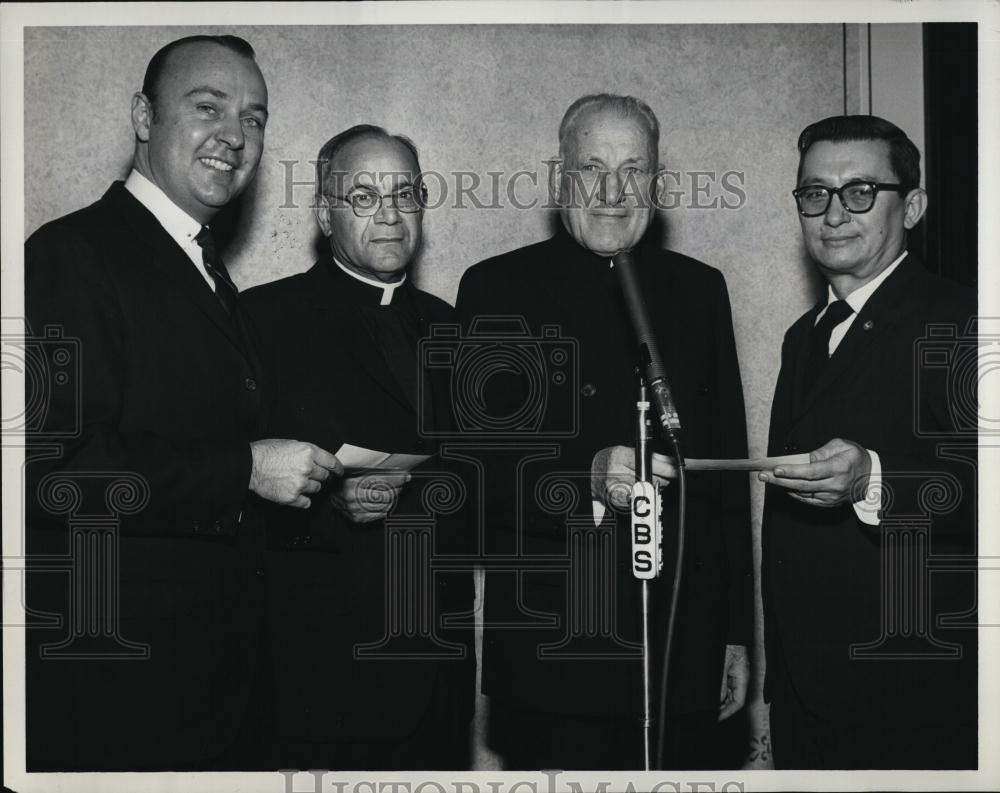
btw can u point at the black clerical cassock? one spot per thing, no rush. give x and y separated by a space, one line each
344 351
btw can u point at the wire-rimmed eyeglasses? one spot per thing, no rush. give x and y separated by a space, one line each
366 203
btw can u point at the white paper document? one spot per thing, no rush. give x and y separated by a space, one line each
356 458
663 465
759 464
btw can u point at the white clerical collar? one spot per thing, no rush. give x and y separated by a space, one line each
387 289
176 222
857 299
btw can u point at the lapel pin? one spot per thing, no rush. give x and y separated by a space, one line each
869 325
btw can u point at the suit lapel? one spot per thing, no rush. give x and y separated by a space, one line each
167 256
348 328
876 318
803 392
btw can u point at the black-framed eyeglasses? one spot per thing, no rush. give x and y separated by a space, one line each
857 197
366 203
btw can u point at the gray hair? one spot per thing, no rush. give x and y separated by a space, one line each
623 106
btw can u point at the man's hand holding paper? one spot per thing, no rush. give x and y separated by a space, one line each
370 496
373 483
288 472
836 472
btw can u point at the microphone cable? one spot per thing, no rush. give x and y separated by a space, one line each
675 593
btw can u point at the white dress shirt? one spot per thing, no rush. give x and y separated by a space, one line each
868 508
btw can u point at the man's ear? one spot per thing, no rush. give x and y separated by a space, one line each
916 205
555 181
142 116
658 189
322 212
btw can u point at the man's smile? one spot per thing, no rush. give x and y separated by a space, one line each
838 242
216 164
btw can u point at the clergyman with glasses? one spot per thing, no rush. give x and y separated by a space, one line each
871 661
366 676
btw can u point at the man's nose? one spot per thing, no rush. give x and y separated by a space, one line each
836 213
610 188
387 212
230 132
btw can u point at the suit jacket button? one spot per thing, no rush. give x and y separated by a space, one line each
217 526
588 390
259 571
195 525
250 384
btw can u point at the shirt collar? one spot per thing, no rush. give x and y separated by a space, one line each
176 222
388 290
857 299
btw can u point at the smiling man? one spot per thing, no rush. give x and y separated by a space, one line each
870 660
560 661
336 577
167 675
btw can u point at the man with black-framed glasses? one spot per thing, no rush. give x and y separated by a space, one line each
863 668
367 675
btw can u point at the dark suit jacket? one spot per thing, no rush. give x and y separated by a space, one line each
169 394
588 403
824 569
329 581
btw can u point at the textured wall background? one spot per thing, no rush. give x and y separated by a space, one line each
481 99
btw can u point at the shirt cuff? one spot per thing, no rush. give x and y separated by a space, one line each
869 508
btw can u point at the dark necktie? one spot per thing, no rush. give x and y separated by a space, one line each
819 339
225 289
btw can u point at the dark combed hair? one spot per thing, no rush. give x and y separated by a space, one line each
903 154
154 71
330 149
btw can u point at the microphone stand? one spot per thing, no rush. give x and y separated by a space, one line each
647 554
647 530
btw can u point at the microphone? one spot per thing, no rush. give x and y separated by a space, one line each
656 373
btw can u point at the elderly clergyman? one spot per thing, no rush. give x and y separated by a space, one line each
559 710
871 660
356 381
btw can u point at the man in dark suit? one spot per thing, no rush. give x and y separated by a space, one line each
561 664
384 684
144 657
871 660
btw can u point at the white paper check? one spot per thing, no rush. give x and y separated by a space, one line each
355 458
696 464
